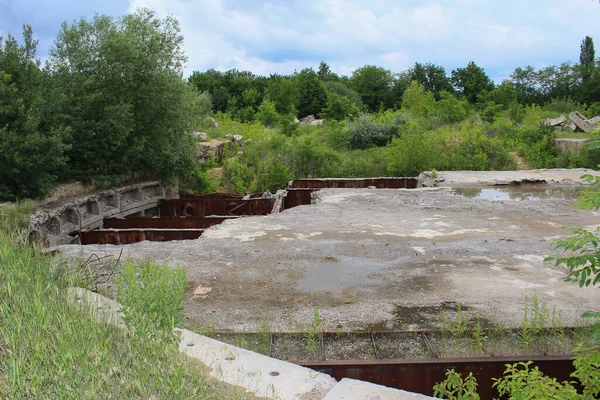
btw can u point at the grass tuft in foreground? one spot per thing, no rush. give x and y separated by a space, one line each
50 349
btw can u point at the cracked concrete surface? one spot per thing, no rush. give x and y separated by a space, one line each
371 258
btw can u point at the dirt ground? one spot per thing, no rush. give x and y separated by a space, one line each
384 259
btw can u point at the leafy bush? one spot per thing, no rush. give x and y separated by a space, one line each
534 143
267 113
271 175
237 177
366 133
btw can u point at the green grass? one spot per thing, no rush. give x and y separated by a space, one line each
51 349
576 135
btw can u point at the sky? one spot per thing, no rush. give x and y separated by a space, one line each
283 36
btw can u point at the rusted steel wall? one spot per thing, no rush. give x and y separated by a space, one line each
421 375
201 207
341 183
298 197
163 222
129 236
185 195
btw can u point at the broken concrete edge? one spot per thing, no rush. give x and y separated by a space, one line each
258 374
348 389
52 224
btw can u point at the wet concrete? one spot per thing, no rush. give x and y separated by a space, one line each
383 258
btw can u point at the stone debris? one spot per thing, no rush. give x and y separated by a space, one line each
201 136
581 122
575 123
212 149
310 120
201 292
555 121
213 122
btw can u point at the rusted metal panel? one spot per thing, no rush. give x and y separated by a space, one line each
420 376
185 195
359 183
129 236
163 222
201 207
298 197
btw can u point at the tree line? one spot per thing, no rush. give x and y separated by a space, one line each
371 88
112 98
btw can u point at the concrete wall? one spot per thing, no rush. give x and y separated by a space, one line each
52 224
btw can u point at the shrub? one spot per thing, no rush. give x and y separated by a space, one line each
237 177
366 133
271 175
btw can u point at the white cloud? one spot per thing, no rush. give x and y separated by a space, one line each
282 36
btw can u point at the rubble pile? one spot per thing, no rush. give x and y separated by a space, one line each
575 123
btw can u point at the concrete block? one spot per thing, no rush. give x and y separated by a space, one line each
595 121
258 374
555 121
570 127
581 122
350 389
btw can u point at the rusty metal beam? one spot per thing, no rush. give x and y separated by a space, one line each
201 207
358 183
163 222
129 236
421 375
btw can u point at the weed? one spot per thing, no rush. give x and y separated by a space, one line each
454 387
478 334
265 337
314 334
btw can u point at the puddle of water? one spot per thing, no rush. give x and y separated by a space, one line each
518 193
335 276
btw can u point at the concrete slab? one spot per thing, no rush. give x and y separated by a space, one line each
351 389
492 178
385 259
258 374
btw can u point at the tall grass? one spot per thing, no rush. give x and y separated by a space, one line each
51 349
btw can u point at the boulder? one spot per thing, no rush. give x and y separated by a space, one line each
238 139
595 121
581 122
317 122
555 121
212 149
570 126
201 136
213 122
308 120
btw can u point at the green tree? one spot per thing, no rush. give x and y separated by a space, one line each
127 105
267 113
339 108
31 145
325 73
312 93
374 84
416 100
450 108
284 92
587 54
343 90
432 77
471 81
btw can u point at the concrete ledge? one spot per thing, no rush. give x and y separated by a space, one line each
348 389
258 374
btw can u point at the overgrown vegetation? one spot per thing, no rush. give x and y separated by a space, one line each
520 380
112 99
49 348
